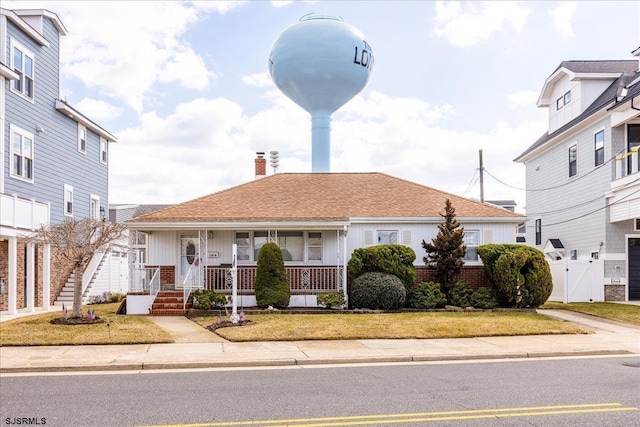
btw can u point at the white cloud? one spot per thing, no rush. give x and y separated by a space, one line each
524 98
280 3
258 80
98 110
561 17
474 23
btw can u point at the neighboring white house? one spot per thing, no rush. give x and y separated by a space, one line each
583 181
317 219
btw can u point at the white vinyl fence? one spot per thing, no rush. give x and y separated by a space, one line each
577 280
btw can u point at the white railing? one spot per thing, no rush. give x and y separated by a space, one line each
627 163
22 213
187 287
141 278
154 285
90 269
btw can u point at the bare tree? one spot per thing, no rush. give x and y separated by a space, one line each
78 241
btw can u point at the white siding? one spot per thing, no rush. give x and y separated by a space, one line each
163 248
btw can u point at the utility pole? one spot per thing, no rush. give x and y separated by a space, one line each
481 178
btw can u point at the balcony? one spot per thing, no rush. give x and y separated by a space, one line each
624 197
18 214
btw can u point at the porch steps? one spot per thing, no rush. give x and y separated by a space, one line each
66 293
169 303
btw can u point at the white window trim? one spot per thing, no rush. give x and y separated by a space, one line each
96 198
67 188
388 237
15 129
477 260
571 145
25 52
593 141
80 129
308 247
104 143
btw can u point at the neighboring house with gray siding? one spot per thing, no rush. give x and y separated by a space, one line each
53 159
583 181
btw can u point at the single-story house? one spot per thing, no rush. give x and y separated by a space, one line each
317 219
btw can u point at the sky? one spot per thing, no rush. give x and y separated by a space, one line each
185 88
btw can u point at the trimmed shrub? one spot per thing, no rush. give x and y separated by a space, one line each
206 299
377 291
271 286
427 295
519 275
460 294
483 298
334 299
390 259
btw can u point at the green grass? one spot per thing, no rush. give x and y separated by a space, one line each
117 329
297 327
620 312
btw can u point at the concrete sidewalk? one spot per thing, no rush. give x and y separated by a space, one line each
198 348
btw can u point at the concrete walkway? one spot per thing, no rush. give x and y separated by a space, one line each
197 348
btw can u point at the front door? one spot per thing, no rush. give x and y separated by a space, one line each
189 256
634 269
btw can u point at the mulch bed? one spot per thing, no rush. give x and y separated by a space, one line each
227 324
76 321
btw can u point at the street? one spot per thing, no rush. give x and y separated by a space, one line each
597 391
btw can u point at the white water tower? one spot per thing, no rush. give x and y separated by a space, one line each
320 63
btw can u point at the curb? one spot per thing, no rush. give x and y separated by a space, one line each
308 362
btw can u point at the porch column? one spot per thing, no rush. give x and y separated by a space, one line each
344 264
13 273
30 277
46 277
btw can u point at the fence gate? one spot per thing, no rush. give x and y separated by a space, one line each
577 280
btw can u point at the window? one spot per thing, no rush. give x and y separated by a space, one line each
387 237
598 139
559 103
22 148
291 244
103 150
567 98
539 231
68 200
573 160
23 65
633 140
82 139
471 241
314 246
94 206
244 247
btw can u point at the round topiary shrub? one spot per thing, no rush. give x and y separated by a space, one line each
427 295
271 287
460 294
377 291
484 298
390 259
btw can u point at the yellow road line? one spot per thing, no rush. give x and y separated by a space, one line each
423 416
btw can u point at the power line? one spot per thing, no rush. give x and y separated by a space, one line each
471 183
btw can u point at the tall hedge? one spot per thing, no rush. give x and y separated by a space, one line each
518 274
271 287
390 259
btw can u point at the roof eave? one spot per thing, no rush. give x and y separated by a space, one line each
28 29
74 114
238 225
8 73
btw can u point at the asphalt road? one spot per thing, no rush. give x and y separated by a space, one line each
548 392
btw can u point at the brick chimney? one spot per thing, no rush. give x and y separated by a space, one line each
261 165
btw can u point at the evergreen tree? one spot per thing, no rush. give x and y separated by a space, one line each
271 286
445 253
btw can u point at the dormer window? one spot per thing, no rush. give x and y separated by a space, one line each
560 103
567 98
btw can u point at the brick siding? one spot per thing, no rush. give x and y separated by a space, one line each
614 292
475 275
167 274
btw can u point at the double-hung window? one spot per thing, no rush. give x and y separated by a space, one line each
471 241
68 200
23 63
573 160
244 246
103 150
82 139
314 246
598 140
22 148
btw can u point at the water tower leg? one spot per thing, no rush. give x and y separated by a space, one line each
320 143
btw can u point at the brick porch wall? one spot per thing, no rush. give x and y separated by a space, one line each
474 275
167 274
614 292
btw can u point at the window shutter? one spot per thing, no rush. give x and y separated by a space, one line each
368 237
487 237
406 237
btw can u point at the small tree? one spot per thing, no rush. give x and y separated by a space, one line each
446 251
271 287
77 241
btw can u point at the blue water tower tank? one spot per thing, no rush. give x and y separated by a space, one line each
321 63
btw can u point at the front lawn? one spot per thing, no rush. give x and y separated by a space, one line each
297 327
117 329
620 312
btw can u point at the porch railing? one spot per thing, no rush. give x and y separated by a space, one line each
627 163
302 280
144 279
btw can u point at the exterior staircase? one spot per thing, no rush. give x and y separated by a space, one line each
169 303
66 294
